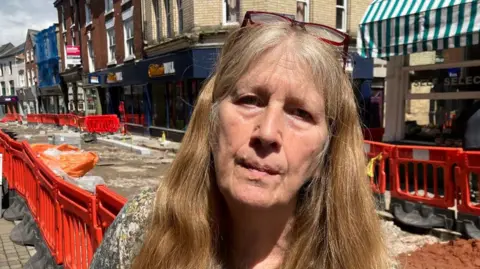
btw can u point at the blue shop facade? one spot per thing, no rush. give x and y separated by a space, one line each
158 93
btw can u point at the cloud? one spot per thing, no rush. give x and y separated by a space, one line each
17 16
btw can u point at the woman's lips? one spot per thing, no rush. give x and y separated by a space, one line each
258 169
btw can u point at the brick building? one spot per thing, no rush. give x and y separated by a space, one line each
108 34
31 72
185 36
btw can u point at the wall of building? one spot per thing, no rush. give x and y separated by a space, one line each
30 65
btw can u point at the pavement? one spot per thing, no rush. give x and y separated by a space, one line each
12 255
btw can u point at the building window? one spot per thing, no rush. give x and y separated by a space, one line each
91 56
1 70
21 75
231 11
168 15
3 88
31 77
72 33
111 44
10 70
12 88
158 19
341 17
303 11
128 33
180 15
64 19
108 6
88 14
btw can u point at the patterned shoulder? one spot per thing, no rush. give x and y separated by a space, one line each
124 237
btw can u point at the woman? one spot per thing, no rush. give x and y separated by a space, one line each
271 172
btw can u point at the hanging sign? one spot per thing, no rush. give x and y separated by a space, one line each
73 55
159 70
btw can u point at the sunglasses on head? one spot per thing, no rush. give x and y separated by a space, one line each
325 33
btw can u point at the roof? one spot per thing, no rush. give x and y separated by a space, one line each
13 51
32 33
6 47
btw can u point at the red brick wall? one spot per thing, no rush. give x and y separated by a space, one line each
98 33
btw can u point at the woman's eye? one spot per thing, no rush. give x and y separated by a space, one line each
249 100
302 114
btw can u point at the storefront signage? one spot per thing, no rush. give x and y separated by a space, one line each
451 81
73 55
8 99
94 80
114 77
51 91
159 70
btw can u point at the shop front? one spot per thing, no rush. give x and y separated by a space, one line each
27 100
158 94
72 91
433 71
52 99
8 105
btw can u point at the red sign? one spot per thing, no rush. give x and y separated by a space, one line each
73 55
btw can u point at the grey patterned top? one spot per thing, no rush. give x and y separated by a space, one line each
124 237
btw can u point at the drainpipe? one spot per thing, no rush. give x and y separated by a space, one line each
79 30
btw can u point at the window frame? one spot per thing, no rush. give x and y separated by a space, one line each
10 68
126 23
180 15
157 9
168 17
345 14
307 9
90 55
88 15
111 47
108 3
224 14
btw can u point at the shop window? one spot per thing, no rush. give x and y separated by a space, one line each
134 105
231 11
341 15
159 104
302 10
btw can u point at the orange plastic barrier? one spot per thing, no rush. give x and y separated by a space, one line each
4 150
377 153
48 210
419 172
102 124
16 169
468 179
109 205
78 220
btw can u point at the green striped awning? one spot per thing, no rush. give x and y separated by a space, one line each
399 27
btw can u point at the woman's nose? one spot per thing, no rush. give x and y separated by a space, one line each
269 127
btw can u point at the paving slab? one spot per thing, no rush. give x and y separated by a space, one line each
12 255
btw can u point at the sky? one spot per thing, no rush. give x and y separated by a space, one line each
16 16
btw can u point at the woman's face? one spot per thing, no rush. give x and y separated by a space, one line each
269 132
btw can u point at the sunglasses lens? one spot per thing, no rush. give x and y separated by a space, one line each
267 18
324 33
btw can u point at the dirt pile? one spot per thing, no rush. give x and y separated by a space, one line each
458 254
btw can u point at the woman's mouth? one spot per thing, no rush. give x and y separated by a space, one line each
258 168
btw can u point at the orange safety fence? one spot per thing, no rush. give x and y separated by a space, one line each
78 220
109 205
49 211
469 183
102 124
73 221
424 175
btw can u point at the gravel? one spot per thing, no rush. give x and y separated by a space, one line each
399 241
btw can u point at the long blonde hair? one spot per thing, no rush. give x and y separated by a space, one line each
335 224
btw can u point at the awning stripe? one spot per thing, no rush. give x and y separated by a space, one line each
396 27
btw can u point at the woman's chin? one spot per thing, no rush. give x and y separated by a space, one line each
254 196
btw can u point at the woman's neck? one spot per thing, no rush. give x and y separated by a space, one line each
259 237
